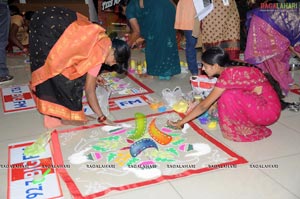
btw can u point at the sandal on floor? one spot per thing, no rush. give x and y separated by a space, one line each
6 79
164 77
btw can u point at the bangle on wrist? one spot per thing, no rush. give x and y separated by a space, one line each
101 119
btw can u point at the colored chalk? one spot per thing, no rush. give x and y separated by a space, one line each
113 130
162 109
119 132
166 130
212 125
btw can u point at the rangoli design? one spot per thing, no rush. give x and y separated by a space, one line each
144 151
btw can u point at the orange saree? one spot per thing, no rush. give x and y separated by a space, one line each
60 61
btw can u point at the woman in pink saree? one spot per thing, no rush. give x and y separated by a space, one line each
273 34
247 102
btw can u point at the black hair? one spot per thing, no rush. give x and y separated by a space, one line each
113 35
28 15
14 10
121 54
217 55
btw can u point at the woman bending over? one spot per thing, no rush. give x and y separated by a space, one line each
247 102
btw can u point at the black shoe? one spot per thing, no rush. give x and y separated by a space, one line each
6 79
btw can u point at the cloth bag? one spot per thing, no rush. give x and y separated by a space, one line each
202 85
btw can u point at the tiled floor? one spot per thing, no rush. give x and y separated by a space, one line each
244 182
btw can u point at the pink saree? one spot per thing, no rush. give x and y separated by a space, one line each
243 114
270 34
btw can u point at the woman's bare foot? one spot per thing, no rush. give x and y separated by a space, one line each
90 118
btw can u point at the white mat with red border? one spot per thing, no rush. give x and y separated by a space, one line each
21 171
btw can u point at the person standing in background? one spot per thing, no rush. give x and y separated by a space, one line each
221 27
273 37
185 18
4 31
154 21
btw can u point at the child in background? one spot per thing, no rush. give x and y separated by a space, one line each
184 20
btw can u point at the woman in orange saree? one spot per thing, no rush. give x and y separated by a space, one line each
66 54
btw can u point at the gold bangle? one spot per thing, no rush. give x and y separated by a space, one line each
101 119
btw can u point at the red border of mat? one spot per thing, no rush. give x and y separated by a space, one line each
17 145
76 192
296 91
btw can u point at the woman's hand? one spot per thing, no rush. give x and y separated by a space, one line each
100 81
176 125
139 42
103 119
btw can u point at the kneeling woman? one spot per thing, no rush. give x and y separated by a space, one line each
66 54
247 102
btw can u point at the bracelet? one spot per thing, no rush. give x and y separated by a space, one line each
101 119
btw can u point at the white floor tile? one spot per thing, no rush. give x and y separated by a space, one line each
282 142
15 125
287 173
235 183
163 190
